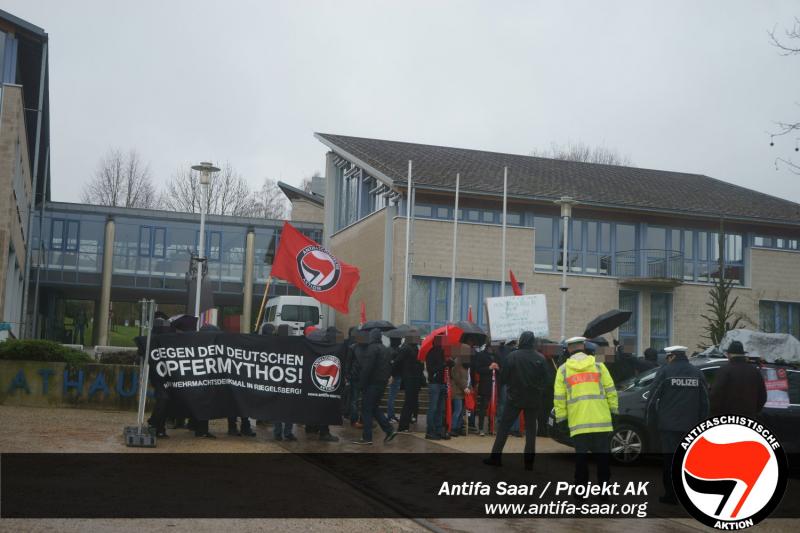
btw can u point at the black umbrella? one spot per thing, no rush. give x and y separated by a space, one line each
383 325
606 322
184 322
402 331
471 331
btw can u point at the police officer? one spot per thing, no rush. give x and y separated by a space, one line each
679 401
584 398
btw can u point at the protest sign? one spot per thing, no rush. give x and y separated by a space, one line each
509 316
216 375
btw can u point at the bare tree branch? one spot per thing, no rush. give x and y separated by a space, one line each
121 180
578 151
790 34
788 45
269 201
228 193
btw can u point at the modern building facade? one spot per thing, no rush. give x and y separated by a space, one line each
643 240
129 254
24 155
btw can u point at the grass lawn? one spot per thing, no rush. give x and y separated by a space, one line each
118 336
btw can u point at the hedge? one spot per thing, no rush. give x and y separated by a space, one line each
40 350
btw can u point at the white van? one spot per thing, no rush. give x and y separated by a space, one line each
296 311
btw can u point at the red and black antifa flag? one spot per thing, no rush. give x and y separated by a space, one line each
211 375
314 270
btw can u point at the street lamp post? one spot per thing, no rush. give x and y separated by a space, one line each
566 203
205 168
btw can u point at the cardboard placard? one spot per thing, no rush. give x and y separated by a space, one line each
509 316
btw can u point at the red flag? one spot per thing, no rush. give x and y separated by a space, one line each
314 270
469 314
363 313
514 284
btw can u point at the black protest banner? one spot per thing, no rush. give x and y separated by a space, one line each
215 375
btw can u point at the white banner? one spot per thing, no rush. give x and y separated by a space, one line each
509 316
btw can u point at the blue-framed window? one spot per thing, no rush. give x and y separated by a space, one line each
358 195
629 331
779 317
468 214
430 300
64 235
660 319
781 243
590 244
152 241
213 245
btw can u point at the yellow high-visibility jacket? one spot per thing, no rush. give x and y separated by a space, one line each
584 395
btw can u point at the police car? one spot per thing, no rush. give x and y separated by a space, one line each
632 438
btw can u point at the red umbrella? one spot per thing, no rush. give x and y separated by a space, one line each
452 335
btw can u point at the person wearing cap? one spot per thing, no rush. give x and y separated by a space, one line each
584 398
738 386
679 402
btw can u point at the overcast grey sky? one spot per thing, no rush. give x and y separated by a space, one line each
684 86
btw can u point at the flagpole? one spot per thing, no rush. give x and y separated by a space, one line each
455 247
408 247
503 252
263 302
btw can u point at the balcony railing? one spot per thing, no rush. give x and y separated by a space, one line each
664 266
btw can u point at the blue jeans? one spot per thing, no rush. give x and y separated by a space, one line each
394 388
458 415
501 406
370 409
281 429
437 396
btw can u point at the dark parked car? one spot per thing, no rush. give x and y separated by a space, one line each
632 437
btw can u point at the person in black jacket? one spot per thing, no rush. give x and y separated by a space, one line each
411 374
396 380
526 373
435 364
375 366
351 375
483 365
679 402
738 387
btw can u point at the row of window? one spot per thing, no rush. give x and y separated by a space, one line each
429 301
486 216
776 242
359 195
600 248
779 317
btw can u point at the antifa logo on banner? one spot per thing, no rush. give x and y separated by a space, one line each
730 472
326 373
320 270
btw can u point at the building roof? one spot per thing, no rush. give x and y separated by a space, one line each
293 193
435 167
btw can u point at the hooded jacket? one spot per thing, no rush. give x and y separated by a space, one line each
584 395
374 361
526 373
410 367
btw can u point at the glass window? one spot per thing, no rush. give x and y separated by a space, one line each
57 234
544 231
473 215
766 316
660 312
144 240
656 238
702 246
420 300
443 212
576 235
688 244
424 211
629 331
675 236
591 236
159 242
605 237
442 303
72 236
300 313
626 237
513 219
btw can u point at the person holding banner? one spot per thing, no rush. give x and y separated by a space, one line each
526 374
375 367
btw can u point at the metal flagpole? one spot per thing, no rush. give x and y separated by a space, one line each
503 252
408 247
455 247
150 305
566 204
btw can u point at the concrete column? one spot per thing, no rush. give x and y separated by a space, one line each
388 262
105 288
329 222
247 305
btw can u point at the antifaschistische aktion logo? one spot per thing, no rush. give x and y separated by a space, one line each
730 472
319 269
